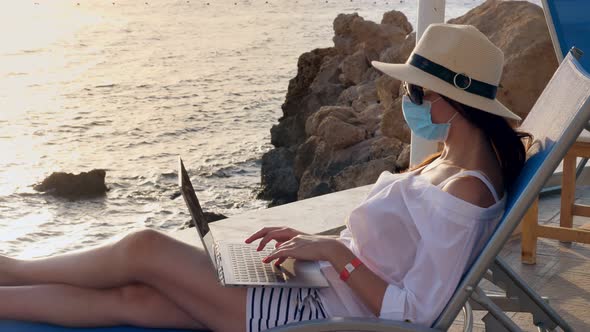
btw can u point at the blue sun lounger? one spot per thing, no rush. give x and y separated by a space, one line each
15 326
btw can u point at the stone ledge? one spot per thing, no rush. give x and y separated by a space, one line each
312 215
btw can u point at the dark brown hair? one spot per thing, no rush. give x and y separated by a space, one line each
509 144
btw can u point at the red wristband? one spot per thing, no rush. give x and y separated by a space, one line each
348 268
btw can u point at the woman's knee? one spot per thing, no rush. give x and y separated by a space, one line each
140 246
148 250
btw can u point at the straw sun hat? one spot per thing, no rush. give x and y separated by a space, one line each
456 61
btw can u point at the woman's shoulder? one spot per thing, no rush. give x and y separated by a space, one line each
480 184
470 189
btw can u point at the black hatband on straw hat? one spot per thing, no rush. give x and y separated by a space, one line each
459 80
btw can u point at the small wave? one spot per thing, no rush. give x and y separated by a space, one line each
163 155
100 123
105 86
143 196
173 56
181 132
133 178
169 97
70 130
224 172
22 239
137 144
219 174
168 175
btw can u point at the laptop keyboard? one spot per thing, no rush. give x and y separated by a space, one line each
247 264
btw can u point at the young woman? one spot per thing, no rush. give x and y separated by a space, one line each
401 256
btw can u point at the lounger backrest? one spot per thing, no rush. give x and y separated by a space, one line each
555 121
567 21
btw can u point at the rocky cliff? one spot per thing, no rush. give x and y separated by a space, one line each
342 123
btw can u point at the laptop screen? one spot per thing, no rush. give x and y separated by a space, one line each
190 198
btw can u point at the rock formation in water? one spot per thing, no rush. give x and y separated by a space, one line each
209 216
342 123
75 186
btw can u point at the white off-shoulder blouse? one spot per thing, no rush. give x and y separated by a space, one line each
419 239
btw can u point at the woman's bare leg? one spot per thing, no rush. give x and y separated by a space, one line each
180 272
98 267
87 307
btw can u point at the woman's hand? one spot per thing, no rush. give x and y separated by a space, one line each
306 247
279 234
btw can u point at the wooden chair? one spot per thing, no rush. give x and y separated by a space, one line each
569 208
566 232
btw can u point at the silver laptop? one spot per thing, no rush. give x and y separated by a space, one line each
239 264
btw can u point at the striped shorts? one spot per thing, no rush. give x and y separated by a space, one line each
268 307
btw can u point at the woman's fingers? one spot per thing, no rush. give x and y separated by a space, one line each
267 234
273 235
279 235
286 250
308 248
280 261
280 253
282 232
260 233
266 239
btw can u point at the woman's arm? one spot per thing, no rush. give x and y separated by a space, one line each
366 284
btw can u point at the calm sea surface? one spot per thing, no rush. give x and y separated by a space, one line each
127 86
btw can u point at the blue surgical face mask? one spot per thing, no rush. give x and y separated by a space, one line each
419 120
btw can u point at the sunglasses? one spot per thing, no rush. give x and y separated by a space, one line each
415 93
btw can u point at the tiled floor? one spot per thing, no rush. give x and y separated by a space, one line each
562 272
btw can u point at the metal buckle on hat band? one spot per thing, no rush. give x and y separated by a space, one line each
459 80
457 85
